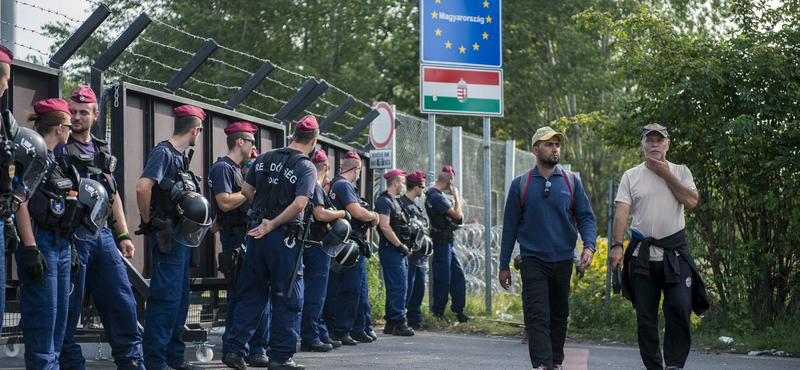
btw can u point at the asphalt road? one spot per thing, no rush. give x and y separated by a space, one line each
433 350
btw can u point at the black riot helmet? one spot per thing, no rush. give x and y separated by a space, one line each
338 234
425 248
346 257
94 196
195 212
418 230
31 160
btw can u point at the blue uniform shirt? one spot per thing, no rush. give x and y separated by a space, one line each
161 164
319 196
222 176
385 206
294 182
438 202
343 193
545 229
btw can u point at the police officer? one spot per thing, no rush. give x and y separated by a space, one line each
165 181
415 187
448 275
230 206
393 251
103 271
280 184
46 222
10 240
317 263
350 307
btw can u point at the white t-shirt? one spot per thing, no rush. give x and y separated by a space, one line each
656 212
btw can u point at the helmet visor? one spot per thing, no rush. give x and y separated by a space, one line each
190 233
98 214
31 179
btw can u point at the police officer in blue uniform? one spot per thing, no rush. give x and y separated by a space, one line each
317 263
393 251
8 230
448 275
350 306
45 223
103 271
166 183
279 184
415 187
225 179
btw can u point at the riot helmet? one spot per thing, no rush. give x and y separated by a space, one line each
338 234
94 197
425 247
31 158
418 229
346 257
195 212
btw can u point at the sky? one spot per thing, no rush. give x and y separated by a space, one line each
34 18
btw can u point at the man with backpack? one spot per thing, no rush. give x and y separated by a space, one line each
545 210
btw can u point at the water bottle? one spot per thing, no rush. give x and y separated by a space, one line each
71 205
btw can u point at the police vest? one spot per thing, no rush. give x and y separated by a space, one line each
358 228
318 229
166 193
399 221
98 167
49 207
236 217
442 225
7 173
269 207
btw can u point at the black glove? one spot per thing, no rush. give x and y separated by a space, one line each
11 237
402 249
76 262
145 228
35 264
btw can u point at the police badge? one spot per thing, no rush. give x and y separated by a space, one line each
57 207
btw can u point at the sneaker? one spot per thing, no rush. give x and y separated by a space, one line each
526 339
462 317
403 330
442 317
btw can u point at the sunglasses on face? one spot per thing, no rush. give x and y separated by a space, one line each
251 141
546 189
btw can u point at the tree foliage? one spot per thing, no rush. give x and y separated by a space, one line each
731 106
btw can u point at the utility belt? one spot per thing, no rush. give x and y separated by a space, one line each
57 234
442 236
293 232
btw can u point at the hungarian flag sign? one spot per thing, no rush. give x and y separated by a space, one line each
464 91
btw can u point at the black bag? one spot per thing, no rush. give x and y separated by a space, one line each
230 263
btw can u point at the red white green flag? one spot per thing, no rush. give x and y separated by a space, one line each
464 91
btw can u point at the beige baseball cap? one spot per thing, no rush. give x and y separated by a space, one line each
545 133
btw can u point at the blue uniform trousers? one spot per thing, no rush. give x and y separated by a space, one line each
103 275
167 306
267 271
316 267
363 321
416 292
448 280
348 301
329 308
44 306
395 277
258 343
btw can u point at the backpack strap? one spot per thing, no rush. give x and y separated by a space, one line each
569 178
522 199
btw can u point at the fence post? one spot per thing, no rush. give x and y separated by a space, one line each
511 161
487 211
431 151
457 164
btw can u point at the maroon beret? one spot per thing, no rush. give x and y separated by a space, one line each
241 127
393 173
449 170
307 123
416 176
52 105
84 94
189 110
6 55
319 156
352 154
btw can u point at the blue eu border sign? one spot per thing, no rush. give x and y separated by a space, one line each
461 33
